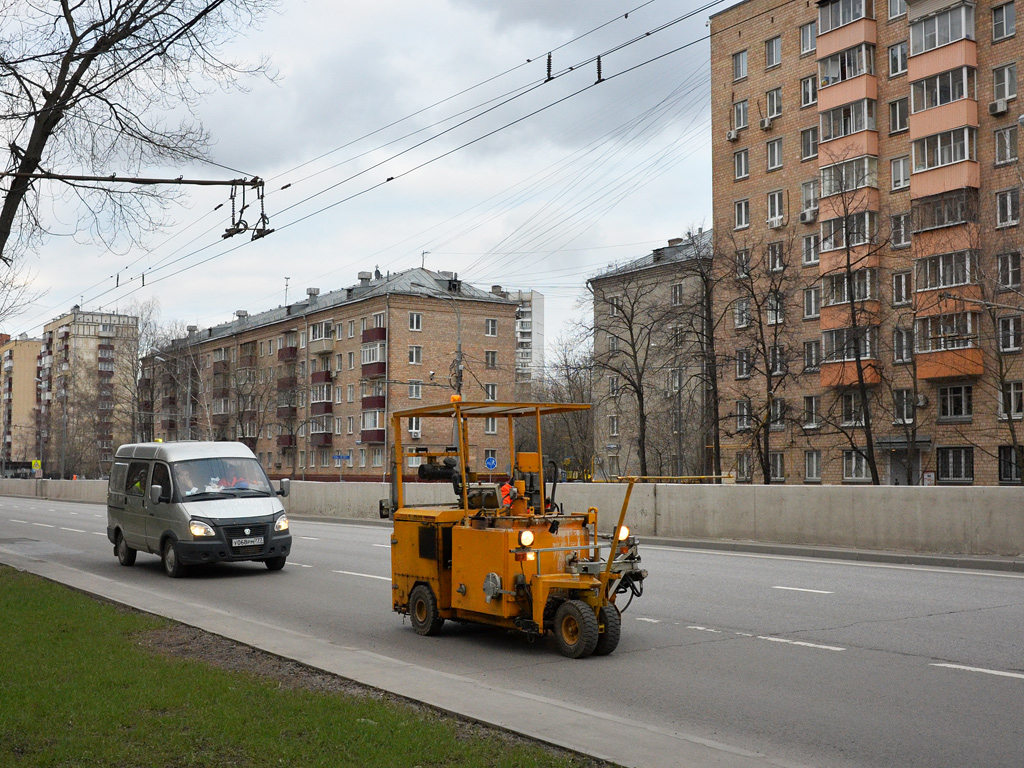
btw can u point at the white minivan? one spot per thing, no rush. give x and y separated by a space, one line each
195 502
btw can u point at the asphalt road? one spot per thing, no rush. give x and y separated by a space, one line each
728 659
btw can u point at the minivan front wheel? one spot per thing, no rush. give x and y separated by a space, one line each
172 567
125 554
275 563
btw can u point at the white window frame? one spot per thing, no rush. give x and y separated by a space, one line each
1004 81
415 321
739 66
1010 333
898 58
812 466
899 169
902 288
773 102
773 52
1009 270
812 303
741 164
740 114
1006 145
1004 21
773 154
809 143
809 91
855 467
811 249
1008 207
741 214
809 38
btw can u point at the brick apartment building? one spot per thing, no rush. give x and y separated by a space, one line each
311 386
18 384
867 191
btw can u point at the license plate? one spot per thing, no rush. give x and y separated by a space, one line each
251 542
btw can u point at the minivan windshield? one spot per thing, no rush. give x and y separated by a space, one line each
220 477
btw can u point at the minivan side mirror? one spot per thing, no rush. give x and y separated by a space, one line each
286 487
155 491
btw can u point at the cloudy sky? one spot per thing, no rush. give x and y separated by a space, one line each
496 174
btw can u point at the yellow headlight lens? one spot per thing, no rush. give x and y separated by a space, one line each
281 524
199 528
525 538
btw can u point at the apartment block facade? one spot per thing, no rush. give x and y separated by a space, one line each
867 204
18 384
311 386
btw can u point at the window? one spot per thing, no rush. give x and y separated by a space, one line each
1006 145
776 360
613 426
491 426
812 411
1008 207
941 29
808 91
775 308
613 386
839 12
953 331
901 290
1004 81
774 154
810 249
1009 464
812 303
773 102
739 65
956 402
490 391
1004 21
614 307
944 88
812 355
743 263
853 409
900 169
415 390
741 209
945 209
742 415
777 459
809 143
903 406
1010 334
415 321
1009 270
954 465
350 392
902 345
775 206
743 364
897 8
741 313
808 37
849 175
898 59
739 114
945 148
772 52
899 113
855 467
776 257
777 414
491 359
1011 404
415 354
848 119
812 466
613 343
900 230
741 163
809 195
846 65
743 467
945 270
856 229
842 344
491 327
351 328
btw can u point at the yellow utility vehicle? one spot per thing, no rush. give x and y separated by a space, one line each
504 553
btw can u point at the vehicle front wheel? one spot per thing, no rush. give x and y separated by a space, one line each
125 554
169 557
423 612
576 629
608 641
275 563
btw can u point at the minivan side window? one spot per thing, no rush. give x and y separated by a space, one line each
162 477
136 483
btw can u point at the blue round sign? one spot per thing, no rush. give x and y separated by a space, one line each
491 462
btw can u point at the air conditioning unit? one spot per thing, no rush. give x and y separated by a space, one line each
922 401
775 223
732 135
414 434
766 123
808 216
998 107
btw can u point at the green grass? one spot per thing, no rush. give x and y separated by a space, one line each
76 689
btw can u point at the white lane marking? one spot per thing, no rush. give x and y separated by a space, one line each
801 589
744 634
383 546
19 521
99 533
801 643
73 513
309 538
706 629
364 575
980 669
73 530
652 621
44 525
299 565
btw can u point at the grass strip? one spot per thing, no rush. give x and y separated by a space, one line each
77 689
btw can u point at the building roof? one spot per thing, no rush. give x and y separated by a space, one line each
677 251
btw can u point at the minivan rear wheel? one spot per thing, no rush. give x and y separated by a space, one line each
172 567
125 554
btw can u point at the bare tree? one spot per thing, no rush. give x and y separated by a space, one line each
87 87
569 380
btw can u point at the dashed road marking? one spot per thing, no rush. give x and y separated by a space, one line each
801 643
44 525
652 621
299 565
364 575
309 538
24 522
984 671
706 629
801 589
73 530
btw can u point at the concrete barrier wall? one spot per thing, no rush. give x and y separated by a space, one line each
969 520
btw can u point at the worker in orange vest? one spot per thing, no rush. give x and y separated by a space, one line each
508 493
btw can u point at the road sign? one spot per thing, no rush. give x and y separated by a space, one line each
491 462
37 464
342 456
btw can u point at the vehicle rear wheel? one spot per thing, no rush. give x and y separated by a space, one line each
423 611
275 563
608 640
125 554
576 629
169 556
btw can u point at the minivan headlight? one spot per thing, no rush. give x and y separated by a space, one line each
281 524
199 528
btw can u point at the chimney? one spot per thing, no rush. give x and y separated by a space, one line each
241 314
496 290
365 277
191 328
312 294
675 241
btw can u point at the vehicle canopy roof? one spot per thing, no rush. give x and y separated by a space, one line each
483 409
184 450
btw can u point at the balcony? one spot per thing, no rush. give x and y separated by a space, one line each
320 377
844 373
861 87
374 370
219 392
220 367
950 364
249 442
286 441
321 439
945 178
287 383
962 53
322 407
168 424
247 361
167 400
287 354
374 334
321 346
221 419
372 435
839 39
286 412
373 403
